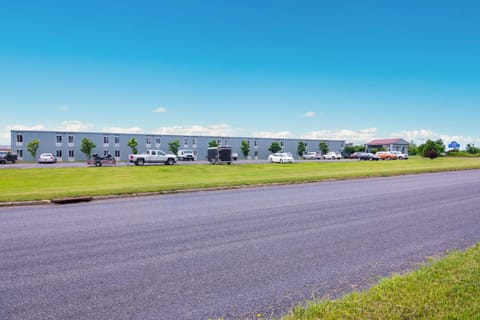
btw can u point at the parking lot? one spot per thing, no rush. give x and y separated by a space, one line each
78 164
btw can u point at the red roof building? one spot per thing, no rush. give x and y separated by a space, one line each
389 145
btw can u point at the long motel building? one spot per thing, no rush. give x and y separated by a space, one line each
66 145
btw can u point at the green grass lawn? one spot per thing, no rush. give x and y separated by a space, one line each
445 289
52 183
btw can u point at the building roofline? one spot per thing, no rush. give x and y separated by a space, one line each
169 135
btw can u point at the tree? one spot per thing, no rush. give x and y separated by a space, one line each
245 147
87 147
440 146
323 147
301 148
471 149
133 143
33 146
275 147
412 149
174 146
213 143
431 149
349 150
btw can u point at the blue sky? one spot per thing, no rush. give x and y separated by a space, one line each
353 70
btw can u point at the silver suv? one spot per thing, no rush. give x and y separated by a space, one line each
186 155
400 156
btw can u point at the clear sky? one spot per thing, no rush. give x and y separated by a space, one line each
353 70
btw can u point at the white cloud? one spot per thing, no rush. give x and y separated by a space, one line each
160 110
269 134
310 114
198 130
5 134
421 135
357 137
75 125
122 130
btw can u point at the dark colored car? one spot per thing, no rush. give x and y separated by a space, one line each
7 157
367 156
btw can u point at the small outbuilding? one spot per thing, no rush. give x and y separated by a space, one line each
389 145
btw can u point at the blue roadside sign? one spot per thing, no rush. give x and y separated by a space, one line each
454 145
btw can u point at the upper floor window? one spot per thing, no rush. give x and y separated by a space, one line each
106 140
19 138
59 139
117 140
71 139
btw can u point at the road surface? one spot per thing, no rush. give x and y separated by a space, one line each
227 254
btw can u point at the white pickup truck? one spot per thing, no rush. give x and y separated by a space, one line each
152 156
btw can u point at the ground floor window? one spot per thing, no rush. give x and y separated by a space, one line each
20 154
58 154
71 155
117 153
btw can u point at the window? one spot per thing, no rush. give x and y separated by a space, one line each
148 141
106 153
157 142
117 140
106 140
20 154
256 153
59 139
117 153
71 154
71 139
255 143
185 142
194 142
19 138
58 154
225 142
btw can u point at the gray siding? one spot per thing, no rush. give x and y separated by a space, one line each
66 145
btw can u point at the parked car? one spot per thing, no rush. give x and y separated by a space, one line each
281 157
356 155
386 155
7 157
186 155
332 156
400 155
312 155
47 158
234 156
367 156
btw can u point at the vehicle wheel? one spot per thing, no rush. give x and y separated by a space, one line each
388 158
170 161
140 162
98 164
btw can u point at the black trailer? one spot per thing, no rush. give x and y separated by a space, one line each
219 155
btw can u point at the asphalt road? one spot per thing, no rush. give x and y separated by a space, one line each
231 254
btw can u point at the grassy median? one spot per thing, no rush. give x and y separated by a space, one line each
445 289
51 183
